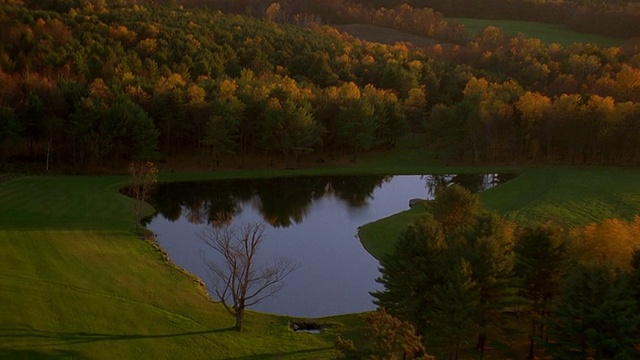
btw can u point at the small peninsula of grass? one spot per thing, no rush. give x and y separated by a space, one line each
569 196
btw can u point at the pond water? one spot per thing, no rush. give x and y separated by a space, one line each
310 220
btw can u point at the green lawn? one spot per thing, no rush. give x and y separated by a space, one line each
548 33
567 195
75 282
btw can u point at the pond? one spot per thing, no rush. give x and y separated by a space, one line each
310 220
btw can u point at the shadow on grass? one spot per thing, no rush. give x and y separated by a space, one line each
25 336
279 355
35 354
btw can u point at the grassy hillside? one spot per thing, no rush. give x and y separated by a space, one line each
567 195
76 283
548 33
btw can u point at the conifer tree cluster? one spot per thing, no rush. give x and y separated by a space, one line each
462 276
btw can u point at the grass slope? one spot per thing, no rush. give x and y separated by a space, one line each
567 195
77 283
548 33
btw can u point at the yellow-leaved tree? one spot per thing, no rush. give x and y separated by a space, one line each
611 241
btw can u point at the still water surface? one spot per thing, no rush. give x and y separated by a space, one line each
311 220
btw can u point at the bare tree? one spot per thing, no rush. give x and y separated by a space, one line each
144 177
237 280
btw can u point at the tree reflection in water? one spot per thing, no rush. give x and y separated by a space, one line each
281 201
285 201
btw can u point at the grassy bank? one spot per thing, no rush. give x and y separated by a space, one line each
548 33
567 195
77 283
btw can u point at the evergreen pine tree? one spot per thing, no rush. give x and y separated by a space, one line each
453 319
411 271
542 257
422 287
596 317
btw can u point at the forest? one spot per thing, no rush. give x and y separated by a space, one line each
92 85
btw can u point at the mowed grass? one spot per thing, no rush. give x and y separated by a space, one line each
76 283
65 202
569 196
548 33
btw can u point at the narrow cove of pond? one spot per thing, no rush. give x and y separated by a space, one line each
312 221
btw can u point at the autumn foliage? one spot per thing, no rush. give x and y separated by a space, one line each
611 241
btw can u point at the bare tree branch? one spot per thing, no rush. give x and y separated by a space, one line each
236 275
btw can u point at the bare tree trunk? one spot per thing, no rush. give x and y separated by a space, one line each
482 338
531 340
239 319
48 152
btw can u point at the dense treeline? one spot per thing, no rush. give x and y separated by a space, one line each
100 84
97 84
467 279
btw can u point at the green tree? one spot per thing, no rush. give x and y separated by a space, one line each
9 131
596 317
221 132
134 134
455 311
305 131
32 116
288 127
417 276
411 271
542 257
90 142
357 125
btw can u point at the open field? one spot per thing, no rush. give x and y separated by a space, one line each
567 195
548 33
